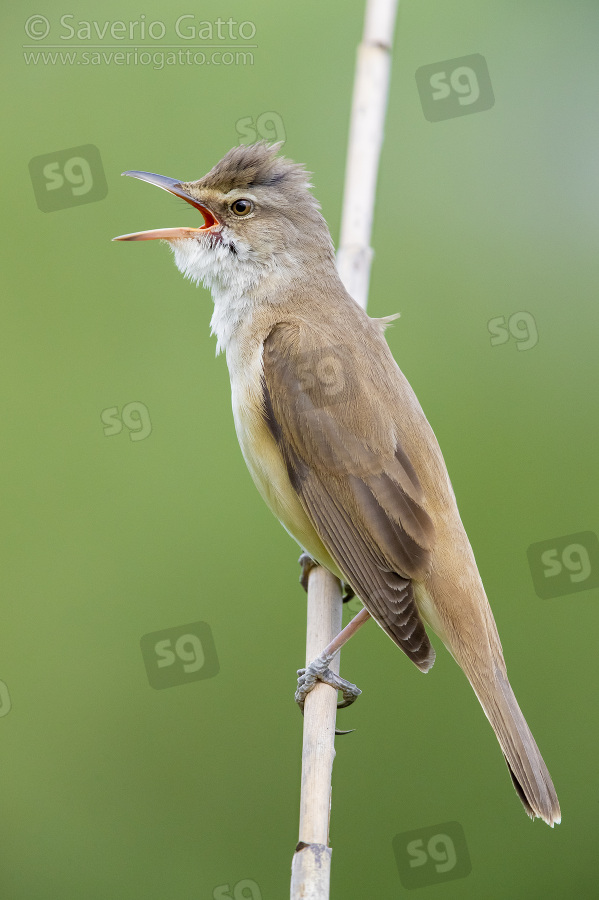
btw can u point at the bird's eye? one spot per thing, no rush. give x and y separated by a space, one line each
242 207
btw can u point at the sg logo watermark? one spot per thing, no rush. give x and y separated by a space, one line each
454 87
268 127
564 565
431 855
68 178
322 374
520 325
243 890
5 702
134 416
178 655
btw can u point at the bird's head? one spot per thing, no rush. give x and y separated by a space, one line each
259 218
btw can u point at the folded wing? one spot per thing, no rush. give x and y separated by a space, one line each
352 476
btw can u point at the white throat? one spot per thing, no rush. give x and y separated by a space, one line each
233 274
228 271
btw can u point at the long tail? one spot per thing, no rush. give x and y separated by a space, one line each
528 771
468 630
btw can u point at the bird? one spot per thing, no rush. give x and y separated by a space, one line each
333 435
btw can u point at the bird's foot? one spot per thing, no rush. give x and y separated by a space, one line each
307 564
318 670
348 592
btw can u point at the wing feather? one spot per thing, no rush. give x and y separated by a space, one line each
352 476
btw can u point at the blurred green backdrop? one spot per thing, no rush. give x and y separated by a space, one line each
113 789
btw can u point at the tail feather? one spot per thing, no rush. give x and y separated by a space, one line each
461 616
527 769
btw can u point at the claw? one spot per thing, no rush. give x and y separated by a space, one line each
337 730
307 564
348 593
350 694
318 670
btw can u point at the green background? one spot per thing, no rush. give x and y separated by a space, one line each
111 789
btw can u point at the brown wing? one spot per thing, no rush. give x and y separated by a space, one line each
352 476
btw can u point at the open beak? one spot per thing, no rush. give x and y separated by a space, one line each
169 234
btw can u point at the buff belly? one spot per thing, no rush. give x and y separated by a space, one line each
269 473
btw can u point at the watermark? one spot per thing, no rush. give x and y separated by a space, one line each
243 890
5 701
318 378
184 40
564 565
156 59
520 325
134 416
431 855
323 374
455 87
185 27
268 126
179 655
68 178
